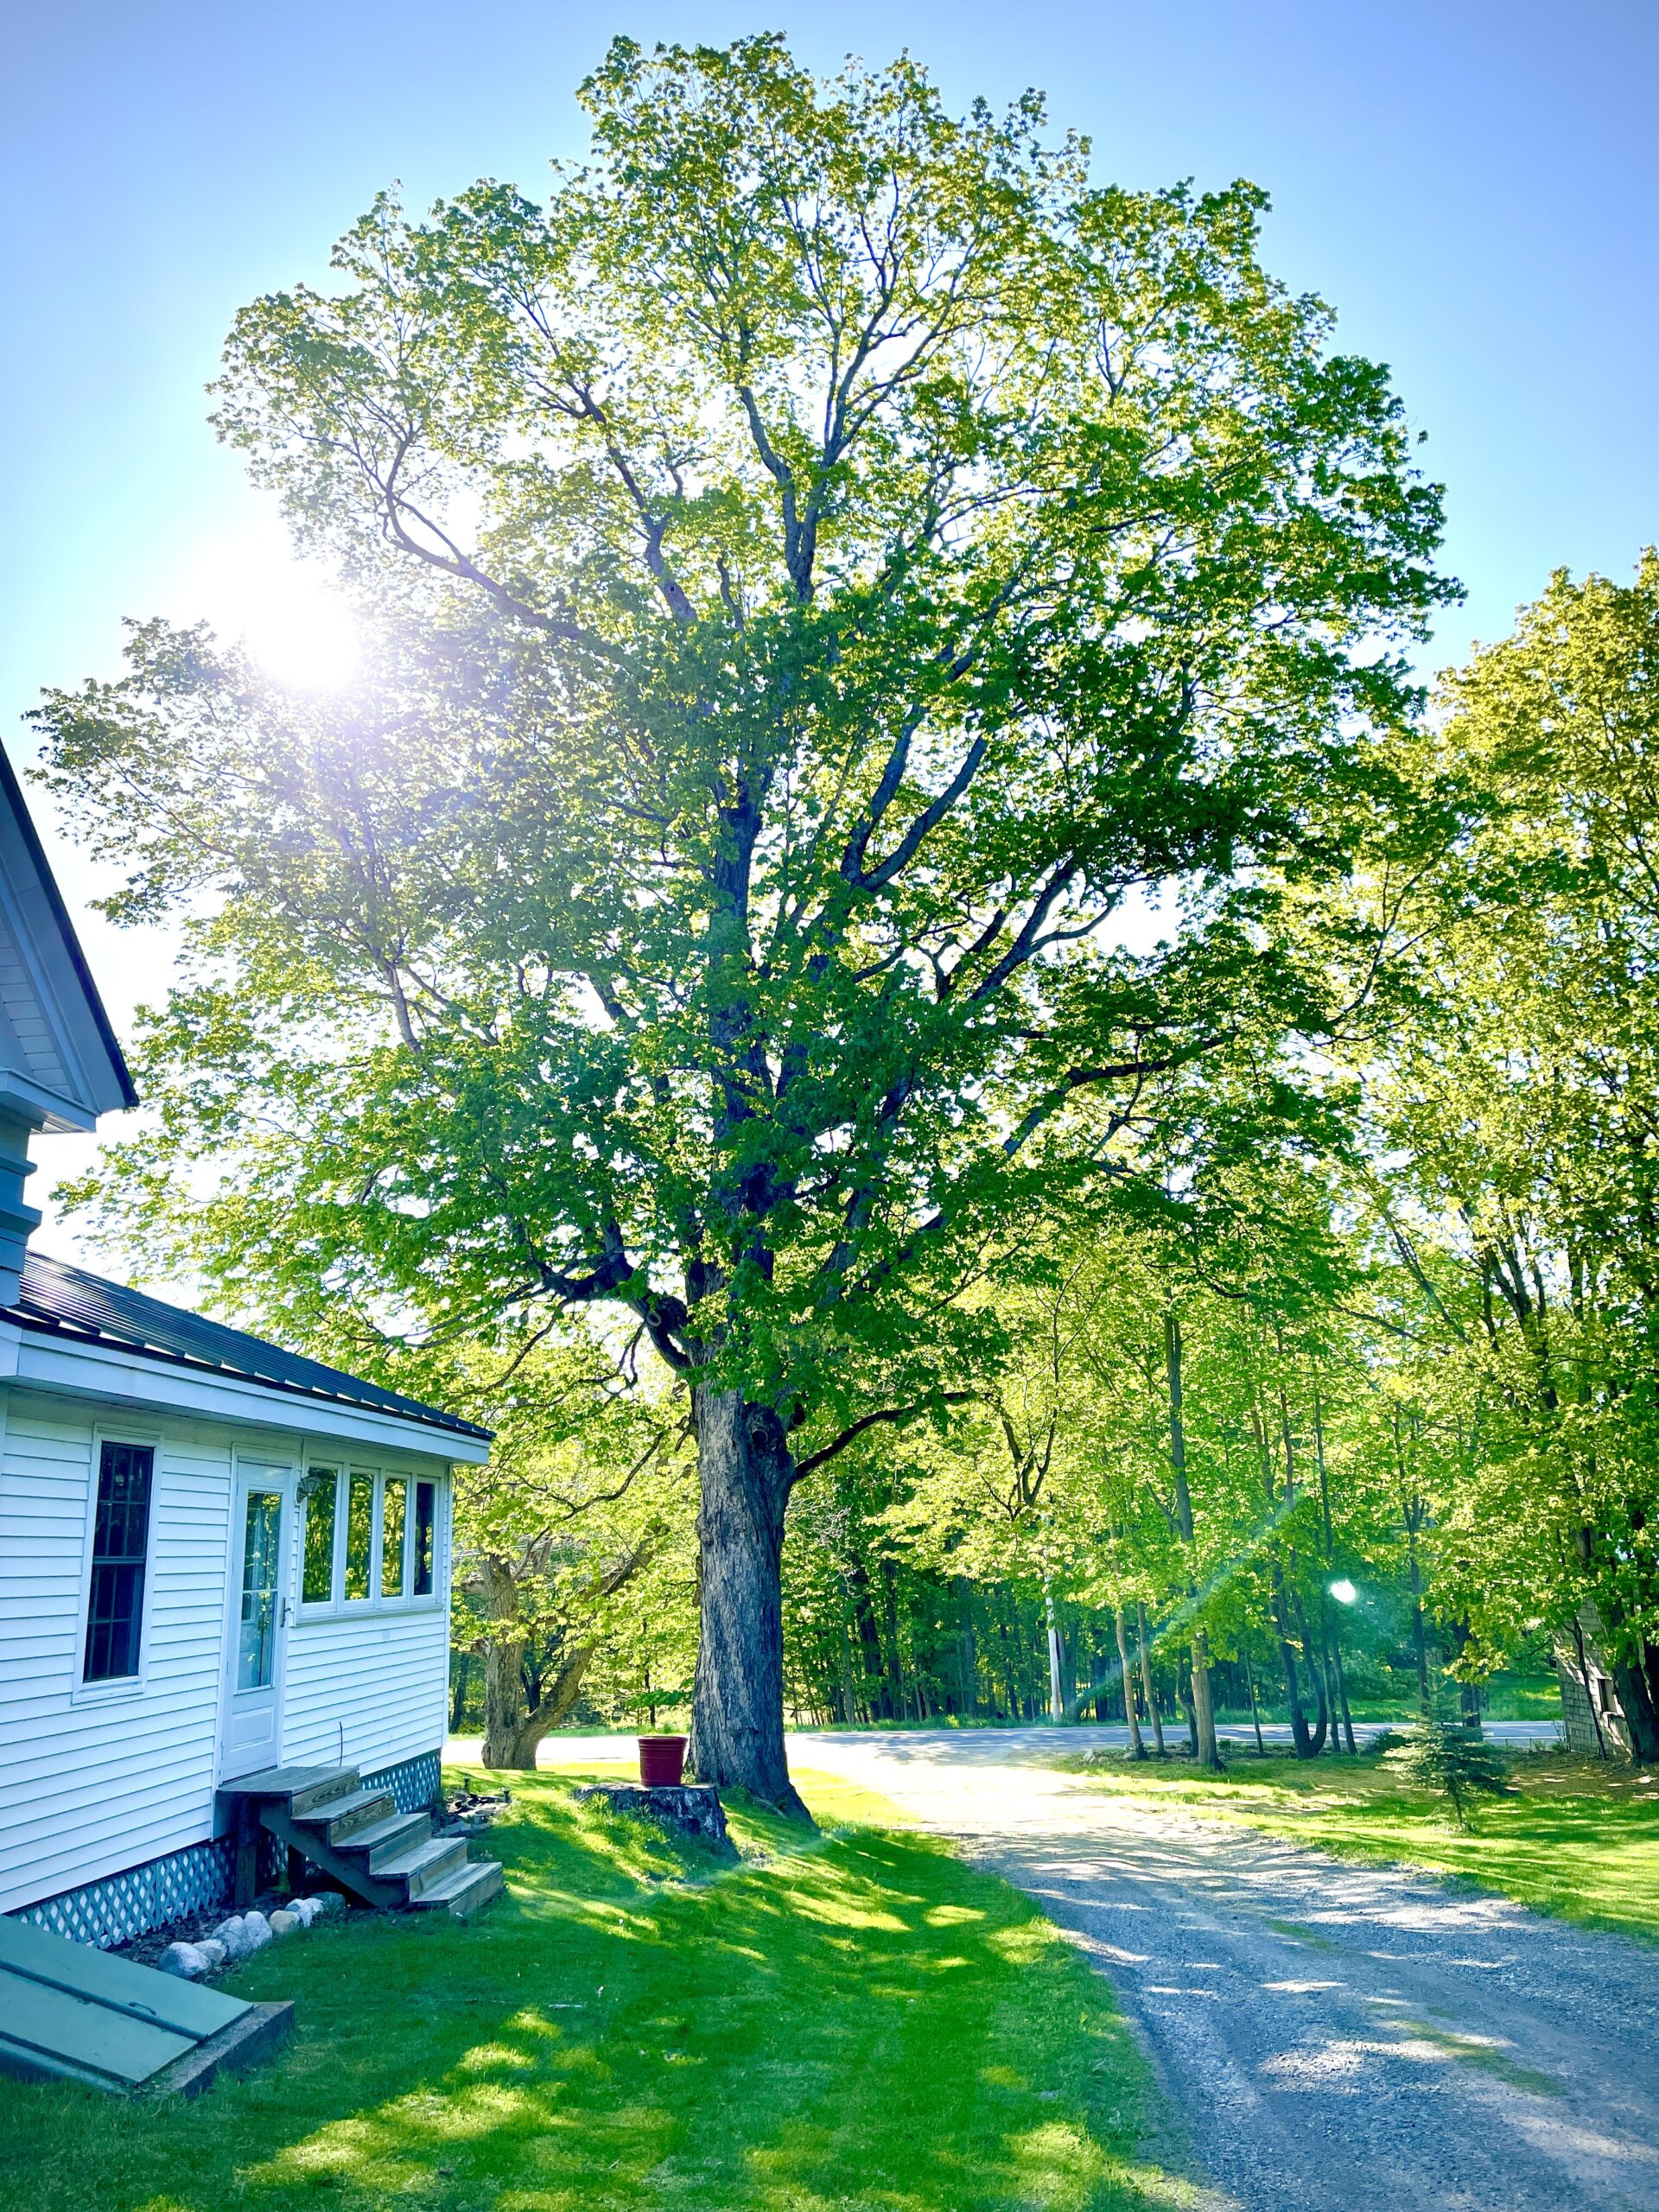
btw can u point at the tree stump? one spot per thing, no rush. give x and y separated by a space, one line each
688 1808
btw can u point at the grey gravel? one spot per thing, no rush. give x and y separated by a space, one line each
1334 2038
1365 2039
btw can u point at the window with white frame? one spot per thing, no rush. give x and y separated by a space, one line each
115 1595
369 1538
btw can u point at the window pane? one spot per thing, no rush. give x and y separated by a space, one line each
426 1515
393 1510
360 1535
261 1574
321 1507
114 1611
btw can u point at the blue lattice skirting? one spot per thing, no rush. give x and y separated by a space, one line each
130 1904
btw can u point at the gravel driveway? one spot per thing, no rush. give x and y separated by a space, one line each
1334 2037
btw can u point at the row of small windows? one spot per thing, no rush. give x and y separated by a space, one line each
390 1549
367 1535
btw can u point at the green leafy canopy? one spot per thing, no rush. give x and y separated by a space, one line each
823 571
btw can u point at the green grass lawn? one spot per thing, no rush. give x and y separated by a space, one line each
1575 1837
850 2019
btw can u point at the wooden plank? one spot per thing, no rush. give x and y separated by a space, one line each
254 2037
141 1994
83 2036
279 1780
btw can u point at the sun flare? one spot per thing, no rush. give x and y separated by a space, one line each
288 613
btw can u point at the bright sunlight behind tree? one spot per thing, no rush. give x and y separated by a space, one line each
816 572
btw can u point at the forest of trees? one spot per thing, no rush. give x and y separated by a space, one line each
886 966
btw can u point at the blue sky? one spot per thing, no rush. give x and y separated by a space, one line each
1472 184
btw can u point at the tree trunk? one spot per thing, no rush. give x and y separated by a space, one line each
1136 1746
1292 1691
1203 1724
737 1713
1316 1675
1153 1714
504 1660
1419 1638
1640 1710
459 1681
553 1708
1342 1692
1256 1713
1206 1748
1183 1691
1055 1662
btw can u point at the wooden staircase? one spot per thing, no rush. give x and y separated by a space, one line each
359 1839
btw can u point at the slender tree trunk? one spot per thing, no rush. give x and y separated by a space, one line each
1419 1636
1055 1661
1299 1732
1316 1675
458 1691
869 1647
1153 1714
737 1713
1207 1747
1183 1691
1342 1692
1137 1748
1255 1716
1204 1748
969 1655
897 1683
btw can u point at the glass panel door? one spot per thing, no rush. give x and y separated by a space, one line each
261 1574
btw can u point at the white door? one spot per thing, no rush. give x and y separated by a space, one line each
262 1511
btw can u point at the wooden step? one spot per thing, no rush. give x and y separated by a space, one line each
348 1867
359 1838
343 1819
388 1838
299 1787
464 1892
426 1864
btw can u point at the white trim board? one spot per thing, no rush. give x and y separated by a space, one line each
65 1367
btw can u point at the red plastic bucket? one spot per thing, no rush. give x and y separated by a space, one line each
662 1761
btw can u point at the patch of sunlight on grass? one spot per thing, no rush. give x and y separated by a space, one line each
817 2026
841 1912
1058 2165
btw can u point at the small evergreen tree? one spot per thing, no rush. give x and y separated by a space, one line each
1442 1756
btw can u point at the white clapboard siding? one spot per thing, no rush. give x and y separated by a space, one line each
91 1785
374 1688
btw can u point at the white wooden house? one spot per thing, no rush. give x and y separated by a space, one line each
215 1557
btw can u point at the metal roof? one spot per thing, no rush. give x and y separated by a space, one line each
61 1300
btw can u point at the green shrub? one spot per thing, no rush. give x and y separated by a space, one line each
1440 1755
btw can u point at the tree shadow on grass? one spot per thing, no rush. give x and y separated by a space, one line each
860 2021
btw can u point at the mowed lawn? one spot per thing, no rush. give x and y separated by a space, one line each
848 2020
1575 1836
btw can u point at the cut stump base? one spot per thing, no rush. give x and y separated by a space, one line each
688 1808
